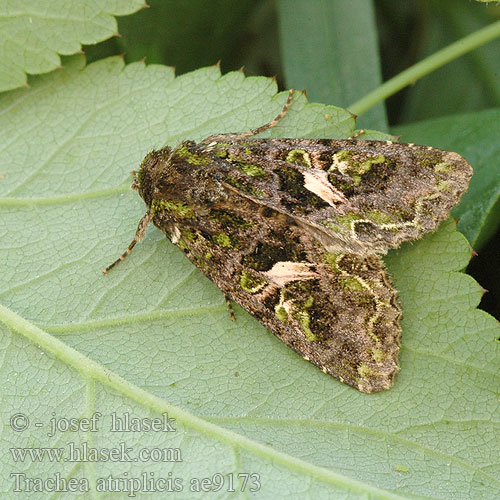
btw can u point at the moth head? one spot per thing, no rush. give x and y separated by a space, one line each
147 178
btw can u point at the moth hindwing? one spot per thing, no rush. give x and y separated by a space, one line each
292 230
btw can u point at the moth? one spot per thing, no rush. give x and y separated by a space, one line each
293 230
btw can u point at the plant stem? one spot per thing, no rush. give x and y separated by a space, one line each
426 66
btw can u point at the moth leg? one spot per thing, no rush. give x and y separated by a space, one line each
255 131
230 306
139 235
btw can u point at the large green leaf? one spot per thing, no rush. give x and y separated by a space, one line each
156 333
34 33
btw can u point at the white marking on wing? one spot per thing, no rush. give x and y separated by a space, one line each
284 272
317 182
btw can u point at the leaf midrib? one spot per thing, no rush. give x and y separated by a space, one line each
89 369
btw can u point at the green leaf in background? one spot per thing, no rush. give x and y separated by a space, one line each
190 35
175 33
475 136
34 33
330 49
66 212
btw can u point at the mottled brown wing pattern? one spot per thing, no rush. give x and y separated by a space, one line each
338 311
353 195
291 228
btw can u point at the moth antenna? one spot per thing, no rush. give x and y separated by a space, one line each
230 307
357 134
139 235
255 131
272 123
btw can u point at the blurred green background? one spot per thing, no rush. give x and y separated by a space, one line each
337 51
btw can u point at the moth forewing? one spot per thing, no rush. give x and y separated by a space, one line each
360 196
290 229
